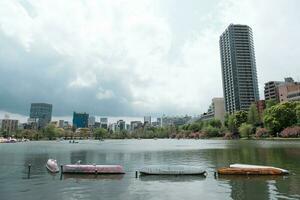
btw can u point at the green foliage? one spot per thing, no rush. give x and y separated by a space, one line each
211 131
270 103
215 123
100 133
236 120
231 123
298 113
280 116
253 116
245 130
51 132
195 127
226 119
240 117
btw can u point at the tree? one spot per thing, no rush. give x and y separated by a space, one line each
231 124
195 127
226 118
298 113
215 123
211 131
51 132
235 120
280 116
270 103
253 116
100 133
245 130
240 117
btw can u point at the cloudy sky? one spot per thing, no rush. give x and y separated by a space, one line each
135 57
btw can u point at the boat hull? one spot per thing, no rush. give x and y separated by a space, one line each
52 166
171 170
93 169
242 169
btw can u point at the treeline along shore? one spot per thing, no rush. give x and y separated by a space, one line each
279 120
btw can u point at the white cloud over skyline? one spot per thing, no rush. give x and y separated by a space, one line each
134 57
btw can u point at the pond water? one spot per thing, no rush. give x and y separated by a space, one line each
133 154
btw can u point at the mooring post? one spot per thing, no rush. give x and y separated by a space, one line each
215 175
136 174
61 171
29 167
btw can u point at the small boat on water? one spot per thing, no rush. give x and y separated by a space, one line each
243 169
171 170
93 169
52 166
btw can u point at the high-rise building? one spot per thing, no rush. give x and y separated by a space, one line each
121 125
136 125
80 120
92 121
41 113
104 122
238 68
147 120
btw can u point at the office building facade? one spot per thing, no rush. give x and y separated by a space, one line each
80 120
281 91
41 113
238 64
9 125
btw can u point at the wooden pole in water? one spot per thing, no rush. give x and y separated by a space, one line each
215 174
61 171
29 167
136 174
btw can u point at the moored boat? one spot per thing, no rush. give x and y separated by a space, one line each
171 170
52 166
93 169
243 169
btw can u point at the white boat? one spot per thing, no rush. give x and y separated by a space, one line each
171 170
52 166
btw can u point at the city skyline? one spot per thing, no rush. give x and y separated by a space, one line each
163 61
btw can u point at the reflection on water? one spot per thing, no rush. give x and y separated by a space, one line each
93 176
132 154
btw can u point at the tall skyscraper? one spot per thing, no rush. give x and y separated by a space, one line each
41 113
238 68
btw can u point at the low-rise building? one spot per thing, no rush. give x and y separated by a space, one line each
281 91
9 125
175 120
215 111
289 92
